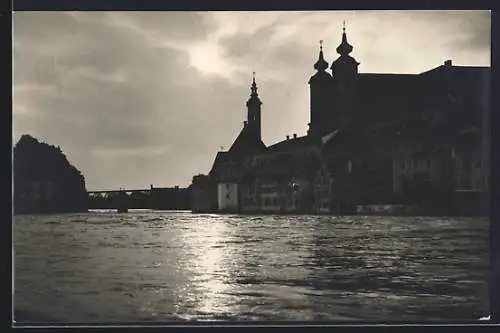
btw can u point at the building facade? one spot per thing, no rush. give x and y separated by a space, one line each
373 140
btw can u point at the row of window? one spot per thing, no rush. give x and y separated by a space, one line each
265 160
324 205
271 201
324 192
422 176
468 181
466 163
273 189
415 163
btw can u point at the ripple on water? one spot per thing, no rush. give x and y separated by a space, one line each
203 266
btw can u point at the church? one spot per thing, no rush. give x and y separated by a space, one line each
376 143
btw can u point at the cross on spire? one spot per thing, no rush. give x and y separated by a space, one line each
343 26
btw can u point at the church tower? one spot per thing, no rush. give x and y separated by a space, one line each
344 73
320 87
253 107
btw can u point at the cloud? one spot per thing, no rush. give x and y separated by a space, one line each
135 98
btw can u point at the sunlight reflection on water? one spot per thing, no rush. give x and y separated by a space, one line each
146 265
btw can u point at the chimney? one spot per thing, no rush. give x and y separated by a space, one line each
448 63
288 137
294 135
151 186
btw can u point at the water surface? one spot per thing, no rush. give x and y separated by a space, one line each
158 266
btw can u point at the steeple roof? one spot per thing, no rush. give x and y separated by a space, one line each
321 64
344 48
254 95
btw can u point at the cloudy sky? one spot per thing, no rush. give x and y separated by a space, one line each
140 98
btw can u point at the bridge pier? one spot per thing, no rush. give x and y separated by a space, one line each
121 201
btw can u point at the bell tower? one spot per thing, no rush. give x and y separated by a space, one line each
344 73
320 87
253 109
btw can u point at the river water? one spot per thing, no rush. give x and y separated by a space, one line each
162 266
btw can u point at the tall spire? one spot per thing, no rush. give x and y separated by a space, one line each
253 110
254 86
321 65
344 48
254 96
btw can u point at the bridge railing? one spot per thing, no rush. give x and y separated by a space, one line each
163 199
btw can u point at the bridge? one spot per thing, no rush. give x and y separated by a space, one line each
105 192
166 198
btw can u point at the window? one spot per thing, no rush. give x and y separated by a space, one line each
415 162
227 186
428 163
349 166
227 196
402 164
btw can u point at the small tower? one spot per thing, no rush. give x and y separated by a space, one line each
344 68
253 107
344 73
320 86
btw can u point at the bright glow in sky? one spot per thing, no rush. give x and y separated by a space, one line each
140 98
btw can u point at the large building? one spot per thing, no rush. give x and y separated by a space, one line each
398 140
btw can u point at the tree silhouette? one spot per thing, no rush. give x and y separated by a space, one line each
45 181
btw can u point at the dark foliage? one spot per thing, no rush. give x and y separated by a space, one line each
45 181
